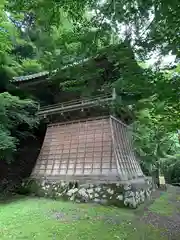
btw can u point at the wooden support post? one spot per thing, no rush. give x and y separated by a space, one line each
112 110
114 94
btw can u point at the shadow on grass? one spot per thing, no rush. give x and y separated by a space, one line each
9 198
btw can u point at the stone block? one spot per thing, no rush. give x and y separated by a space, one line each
106 193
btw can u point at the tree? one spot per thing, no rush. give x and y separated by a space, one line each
52 34
156 111
7 63
15 113
152 139
148 24
16 121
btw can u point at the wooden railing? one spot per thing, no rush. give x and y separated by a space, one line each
75 105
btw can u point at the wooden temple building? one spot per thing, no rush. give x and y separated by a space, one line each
83 140
89 149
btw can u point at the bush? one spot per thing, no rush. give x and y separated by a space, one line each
171 168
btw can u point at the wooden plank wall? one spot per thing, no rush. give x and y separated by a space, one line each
127 164
82 148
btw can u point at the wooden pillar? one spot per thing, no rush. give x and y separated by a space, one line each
112 109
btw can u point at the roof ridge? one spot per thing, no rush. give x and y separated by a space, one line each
44 73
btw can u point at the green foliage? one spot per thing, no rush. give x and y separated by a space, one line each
149 24
7 31
30 66
14 113
151 140
7 34
47 13
24 49
154 103
171 168
154 137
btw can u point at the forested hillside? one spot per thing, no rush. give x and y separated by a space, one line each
49 35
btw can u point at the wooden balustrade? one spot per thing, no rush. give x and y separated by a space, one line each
74 105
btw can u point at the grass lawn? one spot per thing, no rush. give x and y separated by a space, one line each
163 206
167 203
43 219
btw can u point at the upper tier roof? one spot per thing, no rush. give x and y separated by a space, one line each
30 77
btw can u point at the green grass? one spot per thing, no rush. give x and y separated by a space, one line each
162 205
32 218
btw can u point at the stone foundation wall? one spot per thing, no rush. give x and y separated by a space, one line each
129 194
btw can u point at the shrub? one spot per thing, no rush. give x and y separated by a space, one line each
171 168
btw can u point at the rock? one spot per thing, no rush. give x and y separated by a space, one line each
83 195
43 183
63 184
106 193
126 202
119 197
98 189
59 194
110 191
134 203
129 194
82 191
72 191
131 202
118 184
72 198
86 185
90 196
97 200
90 190
127 187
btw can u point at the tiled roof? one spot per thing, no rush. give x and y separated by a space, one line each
30 77
45 73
